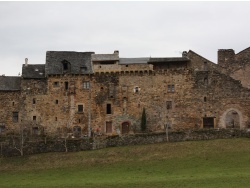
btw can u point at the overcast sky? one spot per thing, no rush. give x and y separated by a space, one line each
136 29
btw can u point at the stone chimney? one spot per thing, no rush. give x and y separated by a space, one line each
116 52
226 57
26 62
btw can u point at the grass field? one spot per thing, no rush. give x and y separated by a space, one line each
214 163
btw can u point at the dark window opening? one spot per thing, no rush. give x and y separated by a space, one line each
79 120
108 127
169 105
108 109
65 66
15 116
2 128
56 101
13 103
55 118
83 69
34 118
208 122
56 84
171 88
136 89
205 99
80 108
126 65
66 85
34 101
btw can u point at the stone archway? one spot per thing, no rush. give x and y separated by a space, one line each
125 127
231 118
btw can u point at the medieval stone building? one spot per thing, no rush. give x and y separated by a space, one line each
84 93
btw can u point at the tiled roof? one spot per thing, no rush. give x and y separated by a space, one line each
168 59
105 57
33 71
133 60
79 62
10 83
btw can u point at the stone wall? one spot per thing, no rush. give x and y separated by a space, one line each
74 145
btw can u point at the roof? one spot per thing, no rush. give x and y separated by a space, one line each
79 62
168 59
33 71
10 83
125 61
105 57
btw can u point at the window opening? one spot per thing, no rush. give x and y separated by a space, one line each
86 85
208 122
205 99
56 84
55 118
171 88
66 85
108 109
56 101
34 101
15 116
80 108
169 105
34 118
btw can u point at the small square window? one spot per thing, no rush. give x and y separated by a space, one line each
80 108
34 118
86 85
56 84
56 102
171 88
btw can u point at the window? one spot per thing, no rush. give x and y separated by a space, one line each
15 117
108 108
205 99
86 85
136 89
83 69
34 118
169 105
171 88
80 108
56 84
66 85
34 101
55 118
56 102
108 127
2 128
65 65
13 103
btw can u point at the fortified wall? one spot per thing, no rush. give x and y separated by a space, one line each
85 94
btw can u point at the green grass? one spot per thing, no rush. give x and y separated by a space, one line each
214 163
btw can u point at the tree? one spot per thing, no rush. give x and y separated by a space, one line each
143 120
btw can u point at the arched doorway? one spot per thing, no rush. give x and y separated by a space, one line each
232 119
125 127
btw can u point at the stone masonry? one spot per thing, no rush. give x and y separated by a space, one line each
81 94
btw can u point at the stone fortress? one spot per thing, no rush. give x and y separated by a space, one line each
84 93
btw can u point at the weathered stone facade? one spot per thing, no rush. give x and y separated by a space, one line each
83 93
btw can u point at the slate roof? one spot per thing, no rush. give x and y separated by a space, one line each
168 59
10 83
80 62
36 71
126 61
105 57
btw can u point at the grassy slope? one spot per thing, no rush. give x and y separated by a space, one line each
214 163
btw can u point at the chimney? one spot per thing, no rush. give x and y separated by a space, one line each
116 52
26 62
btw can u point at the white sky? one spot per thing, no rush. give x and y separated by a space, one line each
136 29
